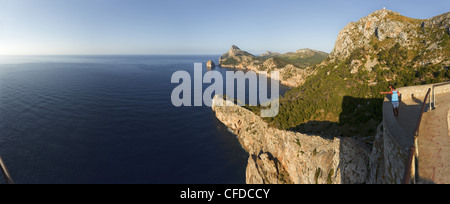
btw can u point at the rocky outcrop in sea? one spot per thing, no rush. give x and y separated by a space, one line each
210 64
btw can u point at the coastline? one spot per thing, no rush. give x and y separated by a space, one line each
298 79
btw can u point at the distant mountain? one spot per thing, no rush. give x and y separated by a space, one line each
294 67
301 58
236 57
269 54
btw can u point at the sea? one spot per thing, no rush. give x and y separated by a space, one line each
110 119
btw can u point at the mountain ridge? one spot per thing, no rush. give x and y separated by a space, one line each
387 28
294 67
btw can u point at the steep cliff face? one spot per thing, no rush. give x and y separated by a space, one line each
279 156
424 39
237 57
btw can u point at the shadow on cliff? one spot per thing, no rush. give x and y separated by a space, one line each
359 117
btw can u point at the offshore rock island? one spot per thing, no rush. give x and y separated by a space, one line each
332 126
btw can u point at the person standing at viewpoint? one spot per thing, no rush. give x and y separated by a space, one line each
395 99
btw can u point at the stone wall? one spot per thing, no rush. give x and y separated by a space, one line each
395 157
389 153
420 91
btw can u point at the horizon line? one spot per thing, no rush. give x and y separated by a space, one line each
13 55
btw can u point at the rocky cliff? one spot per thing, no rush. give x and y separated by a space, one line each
380 49
425 40
279 156
293 67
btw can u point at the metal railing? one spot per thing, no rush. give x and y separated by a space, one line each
411 170
5 172
433 98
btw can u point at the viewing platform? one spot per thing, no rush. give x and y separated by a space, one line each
415 142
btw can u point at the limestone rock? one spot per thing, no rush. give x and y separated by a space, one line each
234 47
210 64
279 156
441 21
265 169
358 34
355 66
390 28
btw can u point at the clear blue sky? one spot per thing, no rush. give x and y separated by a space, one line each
185 26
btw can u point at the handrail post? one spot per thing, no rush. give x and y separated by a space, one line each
416 143
5 172
434 97
434 93
431 103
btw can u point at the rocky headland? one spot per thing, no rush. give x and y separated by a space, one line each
294 68
280 156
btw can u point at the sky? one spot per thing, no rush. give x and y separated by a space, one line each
104 27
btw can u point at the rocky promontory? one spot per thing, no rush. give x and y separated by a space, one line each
293 67
280 156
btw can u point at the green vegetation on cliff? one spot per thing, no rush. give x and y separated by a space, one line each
230 61
301 58
336 101
343 99
333 100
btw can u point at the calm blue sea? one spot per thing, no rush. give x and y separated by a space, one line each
109 119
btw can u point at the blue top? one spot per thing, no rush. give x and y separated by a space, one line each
395 96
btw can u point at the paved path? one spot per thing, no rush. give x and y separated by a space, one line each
434 139
409 112
434 143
